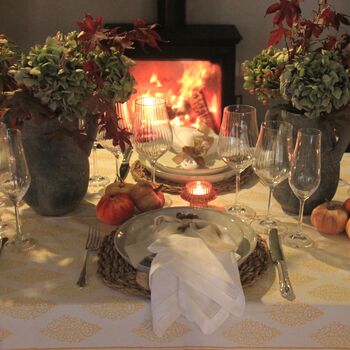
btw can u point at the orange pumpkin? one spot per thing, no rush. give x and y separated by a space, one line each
147 196
115 208
329 218
118 187
347 228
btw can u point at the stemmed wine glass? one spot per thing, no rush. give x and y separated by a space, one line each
237 139
273 152
304 178
124 120
15 179
96 180
151 128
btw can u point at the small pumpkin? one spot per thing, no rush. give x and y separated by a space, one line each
115 208
347 228
329 218
346 206
147 196
118 187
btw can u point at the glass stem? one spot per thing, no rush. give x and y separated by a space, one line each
117 172
238 182
153 163
94 160
301 214
19 233
268 214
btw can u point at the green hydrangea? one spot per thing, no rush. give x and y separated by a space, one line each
316 83
7 55
261 75
54 73
115 72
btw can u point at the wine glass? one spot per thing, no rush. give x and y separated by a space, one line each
304 178
108 145
237 139
15 180
96 180
273 152
122 112
151 128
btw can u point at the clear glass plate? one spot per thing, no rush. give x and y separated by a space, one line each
237 230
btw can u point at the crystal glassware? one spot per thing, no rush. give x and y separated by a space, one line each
115 150
304 178
151 128
96 180
15 180
123 115
237 139
271 163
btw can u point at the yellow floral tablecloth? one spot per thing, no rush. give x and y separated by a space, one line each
41 306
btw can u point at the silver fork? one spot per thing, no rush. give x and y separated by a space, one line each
92 244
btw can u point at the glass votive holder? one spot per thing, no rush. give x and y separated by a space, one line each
198 193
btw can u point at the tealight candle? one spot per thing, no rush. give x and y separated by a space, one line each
198 193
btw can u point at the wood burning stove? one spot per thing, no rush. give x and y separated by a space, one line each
195 69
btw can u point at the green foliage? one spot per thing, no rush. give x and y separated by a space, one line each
56 74
262 73
316 83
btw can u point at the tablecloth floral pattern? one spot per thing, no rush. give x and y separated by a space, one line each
42 307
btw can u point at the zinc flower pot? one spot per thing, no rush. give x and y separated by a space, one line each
334 141
59 168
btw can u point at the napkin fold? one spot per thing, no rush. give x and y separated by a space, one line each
189 278
164 226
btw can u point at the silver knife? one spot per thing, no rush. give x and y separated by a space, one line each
125 164
277 256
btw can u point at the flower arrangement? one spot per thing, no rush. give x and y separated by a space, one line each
75 77
311 74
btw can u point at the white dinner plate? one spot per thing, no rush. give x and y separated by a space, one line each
183 178
233 227
213 166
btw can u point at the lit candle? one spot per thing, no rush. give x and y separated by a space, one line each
198 193
199 188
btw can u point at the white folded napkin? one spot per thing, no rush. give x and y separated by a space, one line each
164 226
188 278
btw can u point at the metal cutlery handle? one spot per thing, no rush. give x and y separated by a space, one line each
82 281
284 282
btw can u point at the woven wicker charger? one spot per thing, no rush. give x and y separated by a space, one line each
118 274
139 172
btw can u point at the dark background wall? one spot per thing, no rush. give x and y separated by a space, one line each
30 21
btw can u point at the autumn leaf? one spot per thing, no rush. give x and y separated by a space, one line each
273 8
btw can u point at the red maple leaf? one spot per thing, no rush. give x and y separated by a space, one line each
94 72
89 26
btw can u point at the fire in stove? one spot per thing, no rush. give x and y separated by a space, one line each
192 89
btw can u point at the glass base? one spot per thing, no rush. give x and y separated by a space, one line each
242 211
98 181
23 245
262 224
297 240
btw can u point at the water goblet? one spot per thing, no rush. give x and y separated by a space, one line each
304 178
151 128
96 180
15 180
237 139
108 145
271 163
